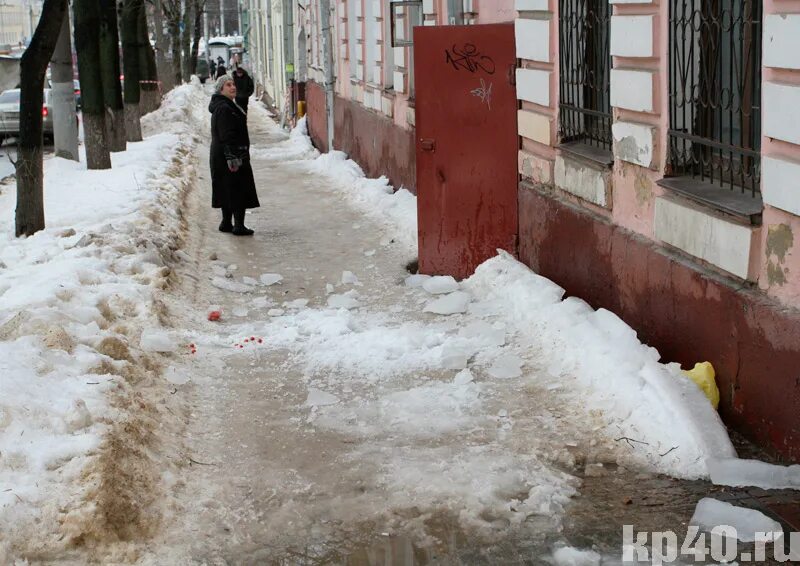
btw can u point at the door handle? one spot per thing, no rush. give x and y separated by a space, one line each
427 144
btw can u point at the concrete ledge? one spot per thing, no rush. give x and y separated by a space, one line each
720 242
584 180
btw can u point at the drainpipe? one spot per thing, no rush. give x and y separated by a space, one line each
327 61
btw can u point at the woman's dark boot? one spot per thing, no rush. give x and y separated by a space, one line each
226 225
239 229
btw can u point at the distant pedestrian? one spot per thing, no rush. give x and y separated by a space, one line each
212 70
244 87
221 71
233 188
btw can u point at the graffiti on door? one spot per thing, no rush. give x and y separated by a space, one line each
469 58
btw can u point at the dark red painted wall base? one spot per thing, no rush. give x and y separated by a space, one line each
317 116
688 315
374 141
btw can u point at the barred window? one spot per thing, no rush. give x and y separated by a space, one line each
715 92
584 67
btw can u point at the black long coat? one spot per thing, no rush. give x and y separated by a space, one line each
230 141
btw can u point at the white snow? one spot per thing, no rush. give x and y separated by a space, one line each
743 473
440 285
711 513
453 303
101 259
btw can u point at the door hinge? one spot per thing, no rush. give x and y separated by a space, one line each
427 144
512 74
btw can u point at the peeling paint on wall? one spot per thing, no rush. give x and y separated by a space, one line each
779 241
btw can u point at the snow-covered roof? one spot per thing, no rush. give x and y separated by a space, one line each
229 40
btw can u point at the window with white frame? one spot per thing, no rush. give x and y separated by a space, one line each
352 36
370 43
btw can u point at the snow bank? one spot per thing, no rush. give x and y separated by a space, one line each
666 418
66 294
745 473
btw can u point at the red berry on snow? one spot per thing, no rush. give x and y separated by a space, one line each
260 340
214 315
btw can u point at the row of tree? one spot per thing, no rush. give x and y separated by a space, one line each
110 107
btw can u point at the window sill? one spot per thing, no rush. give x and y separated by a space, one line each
596 156
741 205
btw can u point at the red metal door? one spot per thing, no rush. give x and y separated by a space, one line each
467 145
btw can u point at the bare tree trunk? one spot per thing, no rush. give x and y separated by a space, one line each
186 39
149 85
87 45
65 118
29 216
129 30
199 12
162 45
110 71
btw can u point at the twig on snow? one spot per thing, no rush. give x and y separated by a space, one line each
193 461
630 440
668 451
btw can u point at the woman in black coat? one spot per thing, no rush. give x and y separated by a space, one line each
233 186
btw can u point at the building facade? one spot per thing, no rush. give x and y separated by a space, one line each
658 161
18 20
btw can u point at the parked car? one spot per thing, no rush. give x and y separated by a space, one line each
9 113
77 85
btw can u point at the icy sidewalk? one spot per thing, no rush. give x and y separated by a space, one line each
339 398
73 301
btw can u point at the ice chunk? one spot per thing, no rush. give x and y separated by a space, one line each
270 278
449 304
319 398
157 341
711 513
296 304
275 312
569 556
743 473
494 335
346 301
240 311
349 278
416 280
454 357
176 377
328 288
463 377
232 286
440 285
506 367
249 281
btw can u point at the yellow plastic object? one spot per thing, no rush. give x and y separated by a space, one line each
301 108
703 375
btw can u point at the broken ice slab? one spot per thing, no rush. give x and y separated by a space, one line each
449 304
319 398
735 472
506 366
745 523
270 278
440 285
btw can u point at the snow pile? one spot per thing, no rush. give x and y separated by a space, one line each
66 296
376 198
666 417
296 147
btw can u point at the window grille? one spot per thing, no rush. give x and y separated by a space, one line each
584 65
715 91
